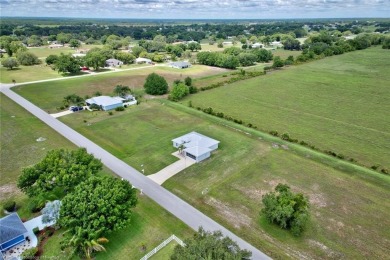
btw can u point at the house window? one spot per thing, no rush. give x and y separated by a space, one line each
191 156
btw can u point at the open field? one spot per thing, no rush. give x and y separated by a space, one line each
285 53
49 95
44 51
340 103
349 209
19 148
27 73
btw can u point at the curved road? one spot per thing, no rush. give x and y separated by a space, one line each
181 209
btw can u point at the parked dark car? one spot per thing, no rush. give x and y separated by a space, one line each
75 108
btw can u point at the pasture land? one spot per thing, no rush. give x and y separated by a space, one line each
340 103
27 73
285 53
19 148
44 51
349 209
49 95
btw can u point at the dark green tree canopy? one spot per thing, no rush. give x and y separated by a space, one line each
66 63
60 168
98 205
155 85
286 209
209 245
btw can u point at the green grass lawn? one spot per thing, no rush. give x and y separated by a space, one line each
348 209
340 103
43 52
285 53
19 148
49 95
165 252
27 73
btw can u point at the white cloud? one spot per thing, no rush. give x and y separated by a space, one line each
197 8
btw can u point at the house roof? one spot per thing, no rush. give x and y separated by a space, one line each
113 61
103 100
143 60
195 143
11 227
180 64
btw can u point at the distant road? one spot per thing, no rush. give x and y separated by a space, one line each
181 209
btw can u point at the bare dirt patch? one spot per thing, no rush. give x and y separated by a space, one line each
234 215
9 190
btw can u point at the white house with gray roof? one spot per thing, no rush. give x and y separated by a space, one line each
196 146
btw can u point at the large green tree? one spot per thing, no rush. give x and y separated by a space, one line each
121 90
96 207
10 63
286 209
66 63
95 59
155 85
27 58
62 169
210 245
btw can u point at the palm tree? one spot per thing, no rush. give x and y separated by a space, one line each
82 241
94 245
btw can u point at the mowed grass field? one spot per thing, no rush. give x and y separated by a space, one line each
27 73
19 148
349 211
49 95
340 103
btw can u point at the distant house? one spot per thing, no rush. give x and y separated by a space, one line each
180 64
227 43
12 231
3 51
276 44
113 63
257 45
196 146
143 60
105 102
55 46
79 54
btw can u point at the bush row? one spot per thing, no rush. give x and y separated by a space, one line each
240 75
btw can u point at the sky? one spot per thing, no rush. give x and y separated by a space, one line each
197 9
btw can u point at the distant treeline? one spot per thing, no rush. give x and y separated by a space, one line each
85 29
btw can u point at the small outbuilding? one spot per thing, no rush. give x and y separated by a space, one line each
12 231
105 102
113 63
180 64
257 45
196 146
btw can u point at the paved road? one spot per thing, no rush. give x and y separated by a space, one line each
182 210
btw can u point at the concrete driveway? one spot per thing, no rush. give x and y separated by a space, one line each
171 170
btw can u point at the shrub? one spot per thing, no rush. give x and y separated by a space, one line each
155 85
36 230
125 106
120 109
9 206
286 137
110 113
35 206
178 92
274 133
29 253
286 209
188 81
27 58
94 107
193 89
